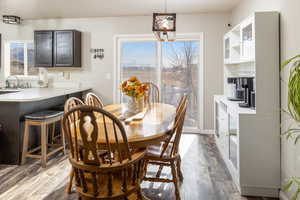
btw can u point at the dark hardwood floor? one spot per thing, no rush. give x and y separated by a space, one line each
205 177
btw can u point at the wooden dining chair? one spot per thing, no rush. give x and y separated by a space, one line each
92 99
119 174
71 103
167 153
152 95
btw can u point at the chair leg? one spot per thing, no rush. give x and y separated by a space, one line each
159 171
69 186
179 169
63 136
139 194
145 168
175 180
44 144
25 143
53 133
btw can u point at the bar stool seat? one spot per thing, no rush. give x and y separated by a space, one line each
60 107
43 115
43 119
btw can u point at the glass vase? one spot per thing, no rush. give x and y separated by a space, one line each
135 105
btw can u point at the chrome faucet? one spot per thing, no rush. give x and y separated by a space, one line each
16 85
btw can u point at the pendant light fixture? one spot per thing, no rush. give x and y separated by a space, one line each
164 25
11 19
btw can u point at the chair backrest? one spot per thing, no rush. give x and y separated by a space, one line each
152 95
172 142
95 165
92 99
71 103
94 123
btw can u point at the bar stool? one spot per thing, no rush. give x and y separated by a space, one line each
42 119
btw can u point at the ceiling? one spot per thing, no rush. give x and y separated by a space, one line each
39 9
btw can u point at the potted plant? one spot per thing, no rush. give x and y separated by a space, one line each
136 91
294 112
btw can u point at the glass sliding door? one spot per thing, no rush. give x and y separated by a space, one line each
179 76
138 59
172 66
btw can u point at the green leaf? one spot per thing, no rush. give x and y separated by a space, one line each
297 138
296 195
293 130
288 185
296 180
284 64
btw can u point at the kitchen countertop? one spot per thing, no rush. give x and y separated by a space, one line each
36 94
234 105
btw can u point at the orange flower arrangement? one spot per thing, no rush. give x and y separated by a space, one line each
134 88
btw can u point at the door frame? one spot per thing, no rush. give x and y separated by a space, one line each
117 39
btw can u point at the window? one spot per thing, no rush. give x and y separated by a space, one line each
138 59
179 76
174 66
20 59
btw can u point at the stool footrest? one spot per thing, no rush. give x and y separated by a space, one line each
54 151
34 150
30 155
39 148
33 156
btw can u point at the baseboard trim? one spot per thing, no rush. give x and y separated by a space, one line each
198 131
260 191
283 196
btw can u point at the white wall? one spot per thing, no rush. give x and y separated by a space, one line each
8 32
290 46
246 7
99 32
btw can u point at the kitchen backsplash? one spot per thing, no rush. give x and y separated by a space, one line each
53 79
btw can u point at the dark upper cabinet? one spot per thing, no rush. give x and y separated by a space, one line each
65 51
67 48
43 41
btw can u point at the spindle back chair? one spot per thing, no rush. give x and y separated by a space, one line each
116 175
71 103
152 95
167 153
175 136
92 99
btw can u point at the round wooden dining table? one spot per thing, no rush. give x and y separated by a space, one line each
151 129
